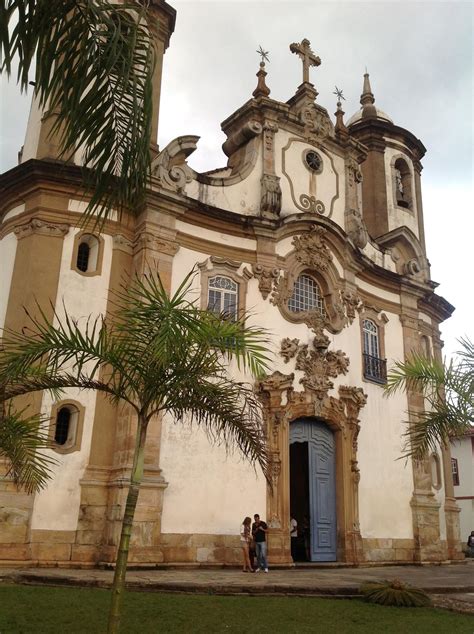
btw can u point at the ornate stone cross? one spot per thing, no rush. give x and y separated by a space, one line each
304 51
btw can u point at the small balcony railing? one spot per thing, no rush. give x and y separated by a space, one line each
375 369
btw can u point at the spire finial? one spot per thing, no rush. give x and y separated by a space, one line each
339 95
262 90
303 50
263 55
367 96
340 126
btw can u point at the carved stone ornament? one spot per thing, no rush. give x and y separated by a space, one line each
266 277
311 250
318 364
354 175
270 202
355 227
352 302
154 243
121 243
316 122
41 227
170 167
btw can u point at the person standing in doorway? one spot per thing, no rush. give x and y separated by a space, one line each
259 532
294 536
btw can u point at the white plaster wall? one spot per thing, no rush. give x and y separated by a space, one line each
209 491
80 206
15 211
463 450
378 292
7 262
381 258
57 507
386 482
301 177
217 237
243 197
398 216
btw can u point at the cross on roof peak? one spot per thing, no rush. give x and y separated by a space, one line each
303 50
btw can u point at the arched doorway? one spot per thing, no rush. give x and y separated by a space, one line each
313 488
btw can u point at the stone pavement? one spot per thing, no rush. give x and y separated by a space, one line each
451 585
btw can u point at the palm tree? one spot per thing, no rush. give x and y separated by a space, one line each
92 62
448 390
158 354
22 441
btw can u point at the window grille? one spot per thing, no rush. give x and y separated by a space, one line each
455 471
375 368
83 253
223 295
306 296
63 422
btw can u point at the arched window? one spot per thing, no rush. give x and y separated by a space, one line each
371 338
375 368
63 424
83 253
223 296
87 254
65 432
306 296
402 181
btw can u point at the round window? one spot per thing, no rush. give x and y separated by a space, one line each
314 161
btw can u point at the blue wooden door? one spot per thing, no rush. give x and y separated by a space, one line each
322 486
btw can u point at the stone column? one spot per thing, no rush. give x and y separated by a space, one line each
278 498
451 509
35 278
425 508
98 482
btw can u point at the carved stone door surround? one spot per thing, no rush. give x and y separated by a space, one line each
282 404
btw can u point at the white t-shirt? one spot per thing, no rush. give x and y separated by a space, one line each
293 528
242 533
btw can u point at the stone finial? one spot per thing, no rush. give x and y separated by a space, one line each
262 90
367 98
340 127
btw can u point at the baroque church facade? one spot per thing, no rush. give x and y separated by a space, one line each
315 226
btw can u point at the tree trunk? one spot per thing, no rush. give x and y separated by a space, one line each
118 586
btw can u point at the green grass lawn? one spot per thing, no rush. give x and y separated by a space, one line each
75 610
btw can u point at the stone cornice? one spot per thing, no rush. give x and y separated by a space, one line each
371 128
41 227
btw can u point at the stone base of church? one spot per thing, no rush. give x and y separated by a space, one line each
61 548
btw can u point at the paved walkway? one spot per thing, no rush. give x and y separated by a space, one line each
455 582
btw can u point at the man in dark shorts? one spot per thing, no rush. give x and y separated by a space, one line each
259 532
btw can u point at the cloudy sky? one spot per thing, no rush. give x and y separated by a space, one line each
420 59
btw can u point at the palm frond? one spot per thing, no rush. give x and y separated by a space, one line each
94 66
417 374
21 440
229 412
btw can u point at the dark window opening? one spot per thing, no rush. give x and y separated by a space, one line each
83 253
455 471
63 422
